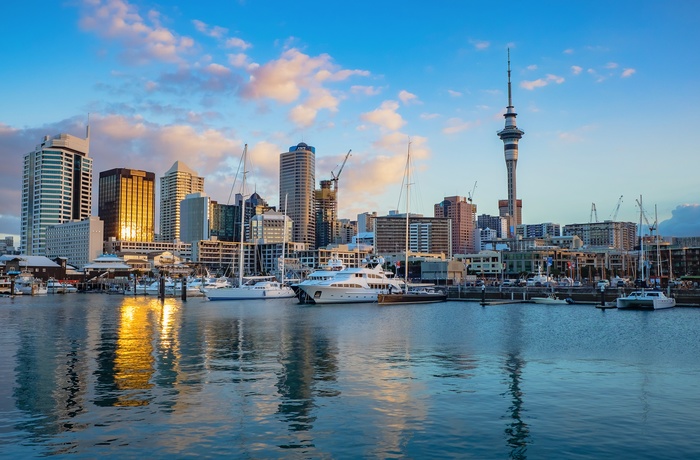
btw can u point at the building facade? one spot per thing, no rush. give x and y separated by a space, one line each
127 204
194 217
431 235
544 230
297 186
178 182
56 188
79 242
461 212
326 205
611 235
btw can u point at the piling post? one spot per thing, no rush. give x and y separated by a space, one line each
161 288
483 295
183 294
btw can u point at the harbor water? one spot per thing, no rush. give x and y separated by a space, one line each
92 375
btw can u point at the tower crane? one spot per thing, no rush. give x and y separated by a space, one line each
337 176
617 209
470 195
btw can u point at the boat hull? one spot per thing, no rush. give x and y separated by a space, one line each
392 299
549 301
645 301
248 294
330 295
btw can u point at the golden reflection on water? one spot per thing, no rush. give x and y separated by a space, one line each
134 364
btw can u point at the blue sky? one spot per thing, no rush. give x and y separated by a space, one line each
606 93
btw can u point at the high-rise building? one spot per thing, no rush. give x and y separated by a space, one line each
497 223
297 186
511 135
326 203
127 204
178 182
56 188
611 235
78 241
425 234
194 218
547 229
462 213
365 221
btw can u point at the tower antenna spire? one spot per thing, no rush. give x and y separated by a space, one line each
510 99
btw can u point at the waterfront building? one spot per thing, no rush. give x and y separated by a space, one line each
194 217
426 234
608 234
348 229
56 188
544 230
461 212
40 267
297 187
127 204
178 182
78 241
178 248
270 227
511 135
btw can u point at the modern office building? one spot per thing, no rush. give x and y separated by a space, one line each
607 235
178 182
297 187
127 204
497 223
194 218
461 212
511 135
79 242
56 188
270 227
544 230
431 235
365 221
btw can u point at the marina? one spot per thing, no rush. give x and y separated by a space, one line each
93 375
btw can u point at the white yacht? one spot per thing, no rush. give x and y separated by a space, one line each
349 285
645 300
26 284
254 287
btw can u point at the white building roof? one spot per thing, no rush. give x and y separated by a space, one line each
30 261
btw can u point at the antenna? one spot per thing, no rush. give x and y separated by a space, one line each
510 100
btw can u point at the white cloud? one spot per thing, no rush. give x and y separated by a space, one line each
142 39
568 51
216 31
385 116
628 73
532 67
429 116
480 44
408 98
576 69
456 125
542 82
454 93
235 42
365 90
611 65
217 69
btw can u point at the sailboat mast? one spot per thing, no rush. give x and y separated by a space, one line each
284 235
641 241
408 182
241 253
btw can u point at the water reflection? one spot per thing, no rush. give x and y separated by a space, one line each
517 432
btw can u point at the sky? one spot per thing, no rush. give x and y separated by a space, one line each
606 93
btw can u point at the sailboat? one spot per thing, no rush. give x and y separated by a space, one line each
645 299
422 294
250 287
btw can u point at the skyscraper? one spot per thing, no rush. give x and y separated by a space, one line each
462 213
510 135
297 186
195 222
56 188
178 182
126 203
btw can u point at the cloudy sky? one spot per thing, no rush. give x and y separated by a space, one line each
606 93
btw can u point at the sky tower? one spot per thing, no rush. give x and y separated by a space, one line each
510 135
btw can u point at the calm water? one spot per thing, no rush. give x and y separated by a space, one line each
95 375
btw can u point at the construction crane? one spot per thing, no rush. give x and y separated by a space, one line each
652 227
337 176
613 216
470 195
594 213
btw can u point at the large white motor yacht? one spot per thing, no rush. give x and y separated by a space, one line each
349 285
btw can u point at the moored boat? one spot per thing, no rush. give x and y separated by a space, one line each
645 300
550 299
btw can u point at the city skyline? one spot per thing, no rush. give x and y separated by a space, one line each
604 93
